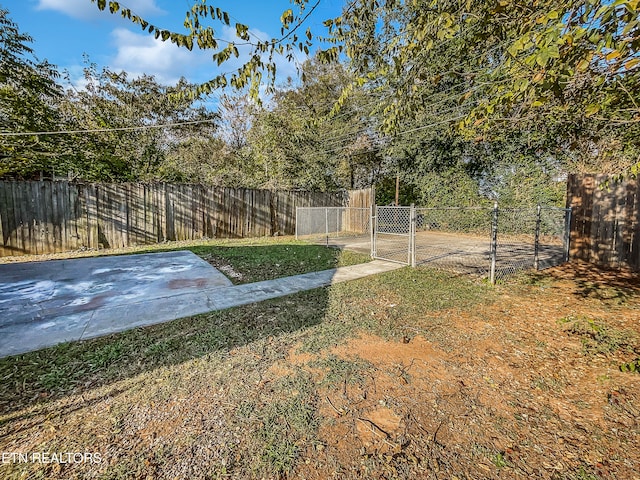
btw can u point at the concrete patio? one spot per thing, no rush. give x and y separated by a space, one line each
46 303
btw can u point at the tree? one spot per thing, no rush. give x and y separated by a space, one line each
565 71
224 159
542 47
28 104
114 129
301 142
200 33
126 125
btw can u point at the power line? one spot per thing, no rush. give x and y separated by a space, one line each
399 134
337 139
99 130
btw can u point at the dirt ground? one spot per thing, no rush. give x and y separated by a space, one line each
525 385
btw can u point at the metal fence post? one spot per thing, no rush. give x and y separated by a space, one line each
412 235
494 244
567 234
326 226
536 245
372 226
297 218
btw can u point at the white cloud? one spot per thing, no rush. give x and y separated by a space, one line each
139 54
85 9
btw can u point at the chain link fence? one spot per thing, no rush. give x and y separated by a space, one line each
335 226
529 238
489 242
392 236
493 243
455 239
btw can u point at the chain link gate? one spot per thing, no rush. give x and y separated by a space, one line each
393 236
456 239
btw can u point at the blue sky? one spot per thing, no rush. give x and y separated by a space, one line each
64 30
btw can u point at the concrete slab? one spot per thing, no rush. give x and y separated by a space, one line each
46 303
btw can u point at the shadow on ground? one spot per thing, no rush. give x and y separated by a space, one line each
596 282
47 375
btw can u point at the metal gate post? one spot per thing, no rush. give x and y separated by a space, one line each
412 235
494 244
536 247
372 227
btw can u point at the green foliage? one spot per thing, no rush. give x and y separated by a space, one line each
115 118
633 366
567 71
28 95
597 337
386 191
499 460
199 23
299 142
469 101
119 109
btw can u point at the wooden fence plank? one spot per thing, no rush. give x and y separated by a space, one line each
605 221
31 216
634 260
13 220
45 217
92 192
21 211
72 224
619 209
54 219
3 221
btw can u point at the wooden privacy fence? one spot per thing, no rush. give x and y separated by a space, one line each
47 217
605 222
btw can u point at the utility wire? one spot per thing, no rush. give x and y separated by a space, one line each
398 134
99 130
337 139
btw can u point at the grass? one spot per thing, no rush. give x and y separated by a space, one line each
254 263
254 390
598 337
338 371
64 368
254 259
336 313
236 347
287 422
